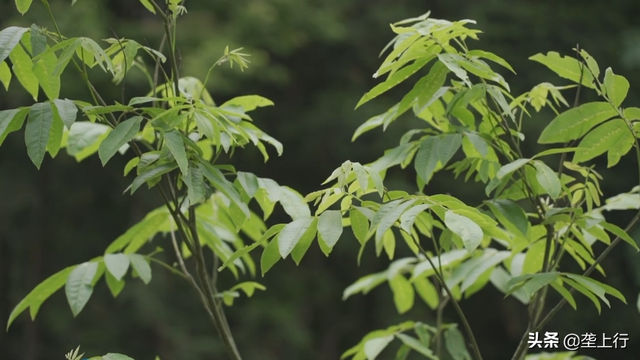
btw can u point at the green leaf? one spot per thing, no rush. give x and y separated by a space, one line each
37 131
38 40
389 219
117 264
120 135
147 4
84 138
141 266
67 111
5 75
270 255
330 227
293 203
55 135
400 76
291 234
470 233
248 102
245 250
78 286
512 214
10 37
576 122
115 286
616 87
152 173
71 46
477 271
455 344
534 282
427 291
427 159
249 182
248 287
43 69
305 242
491 56
619 232
434 81
359 225
565 293
403 293
23 5
23 69
217 179
40 293
130 165
115 356
603 138
195 183
373 347
174 141
548 179
416 345
566 67
11 120
511 167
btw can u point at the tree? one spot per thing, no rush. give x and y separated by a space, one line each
516 239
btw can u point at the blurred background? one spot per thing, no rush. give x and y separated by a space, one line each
314 59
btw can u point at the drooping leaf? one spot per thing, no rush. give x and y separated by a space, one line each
40 293
616 87
84 136
291 234
10 36
67 111
330 227
427 158
403 293
78 287
174 141
416 345
5 75
293 203
373 347
305 242
43 69
359 225
548 179
511 167
23 69
11 120
249 182
470 233
55 135
151 173
38 40
115 286
455 344
270 255
619 232
120 135
117 264
575 122
37 131
141 266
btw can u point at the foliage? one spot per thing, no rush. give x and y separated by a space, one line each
532 219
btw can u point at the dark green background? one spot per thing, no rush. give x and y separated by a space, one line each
314 59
